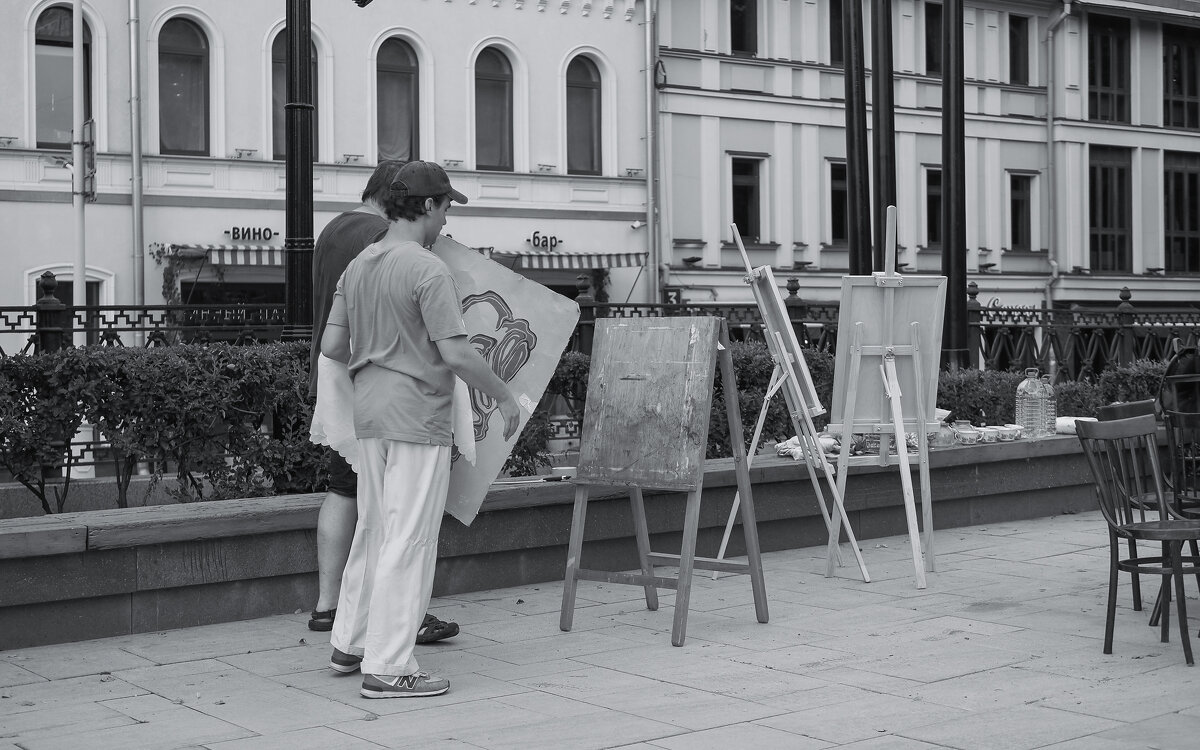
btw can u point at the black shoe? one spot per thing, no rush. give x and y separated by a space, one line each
322 621
343 662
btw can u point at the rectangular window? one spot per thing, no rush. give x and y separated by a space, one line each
1181 77
1108 69
933 39
1020 212
839 197
1181 180
1018 49
743 27
933 206
1111 209
837 55
746 198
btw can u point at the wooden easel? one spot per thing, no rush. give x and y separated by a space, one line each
896 322
800 394
645 425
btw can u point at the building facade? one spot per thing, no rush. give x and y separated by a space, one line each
1082 141
1082 146
535 108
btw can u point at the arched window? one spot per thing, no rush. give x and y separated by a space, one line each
493 111
53 74
182 88
583 117
279 97
396 82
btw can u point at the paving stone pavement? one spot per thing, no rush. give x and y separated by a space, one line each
1002 651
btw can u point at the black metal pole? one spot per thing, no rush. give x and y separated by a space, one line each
883 120
298 200
858 168
954 183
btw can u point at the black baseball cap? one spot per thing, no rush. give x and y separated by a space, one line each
424 178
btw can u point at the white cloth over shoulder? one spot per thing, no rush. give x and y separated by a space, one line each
333 415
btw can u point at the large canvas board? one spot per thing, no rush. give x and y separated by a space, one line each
650 390
521 328
887 314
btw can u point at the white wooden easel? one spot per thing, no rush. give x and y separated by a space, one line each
792 377
896 423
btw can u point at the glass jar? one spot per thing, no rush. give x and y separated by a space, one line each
944 437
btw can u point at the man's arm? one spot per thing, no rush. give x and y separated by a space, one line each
335 341
461 357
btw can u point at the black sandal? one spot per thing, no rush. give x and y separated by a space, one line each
433 629
322 621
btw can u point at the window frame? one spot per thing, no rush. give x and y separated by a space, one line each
1107 163
596 116
281 155
1017 243
1018 50
1185 167
934 64
1109 37
206 149
933 214
744 28
839 200
1188 39
752 184
510 78
415 72
89 40
837 42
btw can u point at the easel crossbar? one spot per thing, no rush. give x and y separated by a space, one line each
703 563
635 579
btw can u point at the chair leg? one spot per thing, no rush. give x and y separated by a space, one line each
1195 553
1111 614
1165 595
1137 579
1177 574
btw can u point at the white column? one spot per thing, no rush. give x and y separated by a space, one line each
784 194
712 189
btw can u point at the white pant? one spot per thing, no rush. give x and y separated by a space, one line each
389 574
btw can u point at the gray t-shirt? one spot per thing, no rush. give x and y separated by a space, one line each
397 298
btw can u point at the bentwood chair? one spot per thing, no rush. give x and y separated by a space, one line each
1124 411
1123 458
1183 459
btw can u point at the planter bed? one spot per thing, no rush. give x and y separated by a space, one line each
93 574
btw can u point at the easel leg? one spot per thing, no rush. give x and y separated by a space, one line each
687 555
892 383
835 529
927 514
579 517
923 457
643 543
753 553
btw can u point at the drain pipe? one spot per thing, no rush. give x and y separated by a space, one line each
1051 198
135 151
653 254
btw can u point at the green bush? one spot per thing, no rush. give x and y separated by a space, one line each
1135 382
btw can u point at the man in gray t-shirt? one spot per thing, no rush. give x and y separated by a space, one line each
396 321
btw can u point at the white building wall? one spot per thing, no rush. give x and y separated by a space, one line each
196 199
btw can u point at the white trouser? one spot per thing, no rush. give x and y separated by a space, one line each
389 574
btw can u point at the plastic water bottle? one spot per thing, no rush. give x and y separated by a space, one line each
1051 406
1031 405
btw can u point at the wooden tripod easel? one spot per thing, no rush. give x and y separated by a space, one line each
646 426
800 395
872 319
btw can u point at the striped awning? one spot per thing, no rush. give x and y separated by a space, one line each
561 261
232 255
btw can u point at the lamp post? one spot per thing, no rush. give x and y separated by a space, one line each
954 225
298 198
857 167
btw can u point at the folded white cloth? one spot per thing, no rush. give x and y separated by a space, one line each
333 415
1066 425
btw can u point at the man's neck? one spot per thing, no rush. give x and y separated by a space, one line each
403 230
371 208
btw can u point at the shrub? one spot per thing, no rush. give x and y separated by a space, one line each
982 396
1134 382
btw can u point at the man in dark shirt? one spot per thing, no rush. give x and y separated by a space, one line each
340 242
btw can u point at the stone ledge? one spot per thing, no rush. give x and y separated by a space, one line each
101 573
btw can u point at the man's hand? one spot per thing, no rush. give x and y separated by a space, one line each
511 411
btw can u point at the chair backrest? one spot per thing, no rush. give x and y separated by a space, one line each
1180 387
1125 410
1123 457
1183 455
